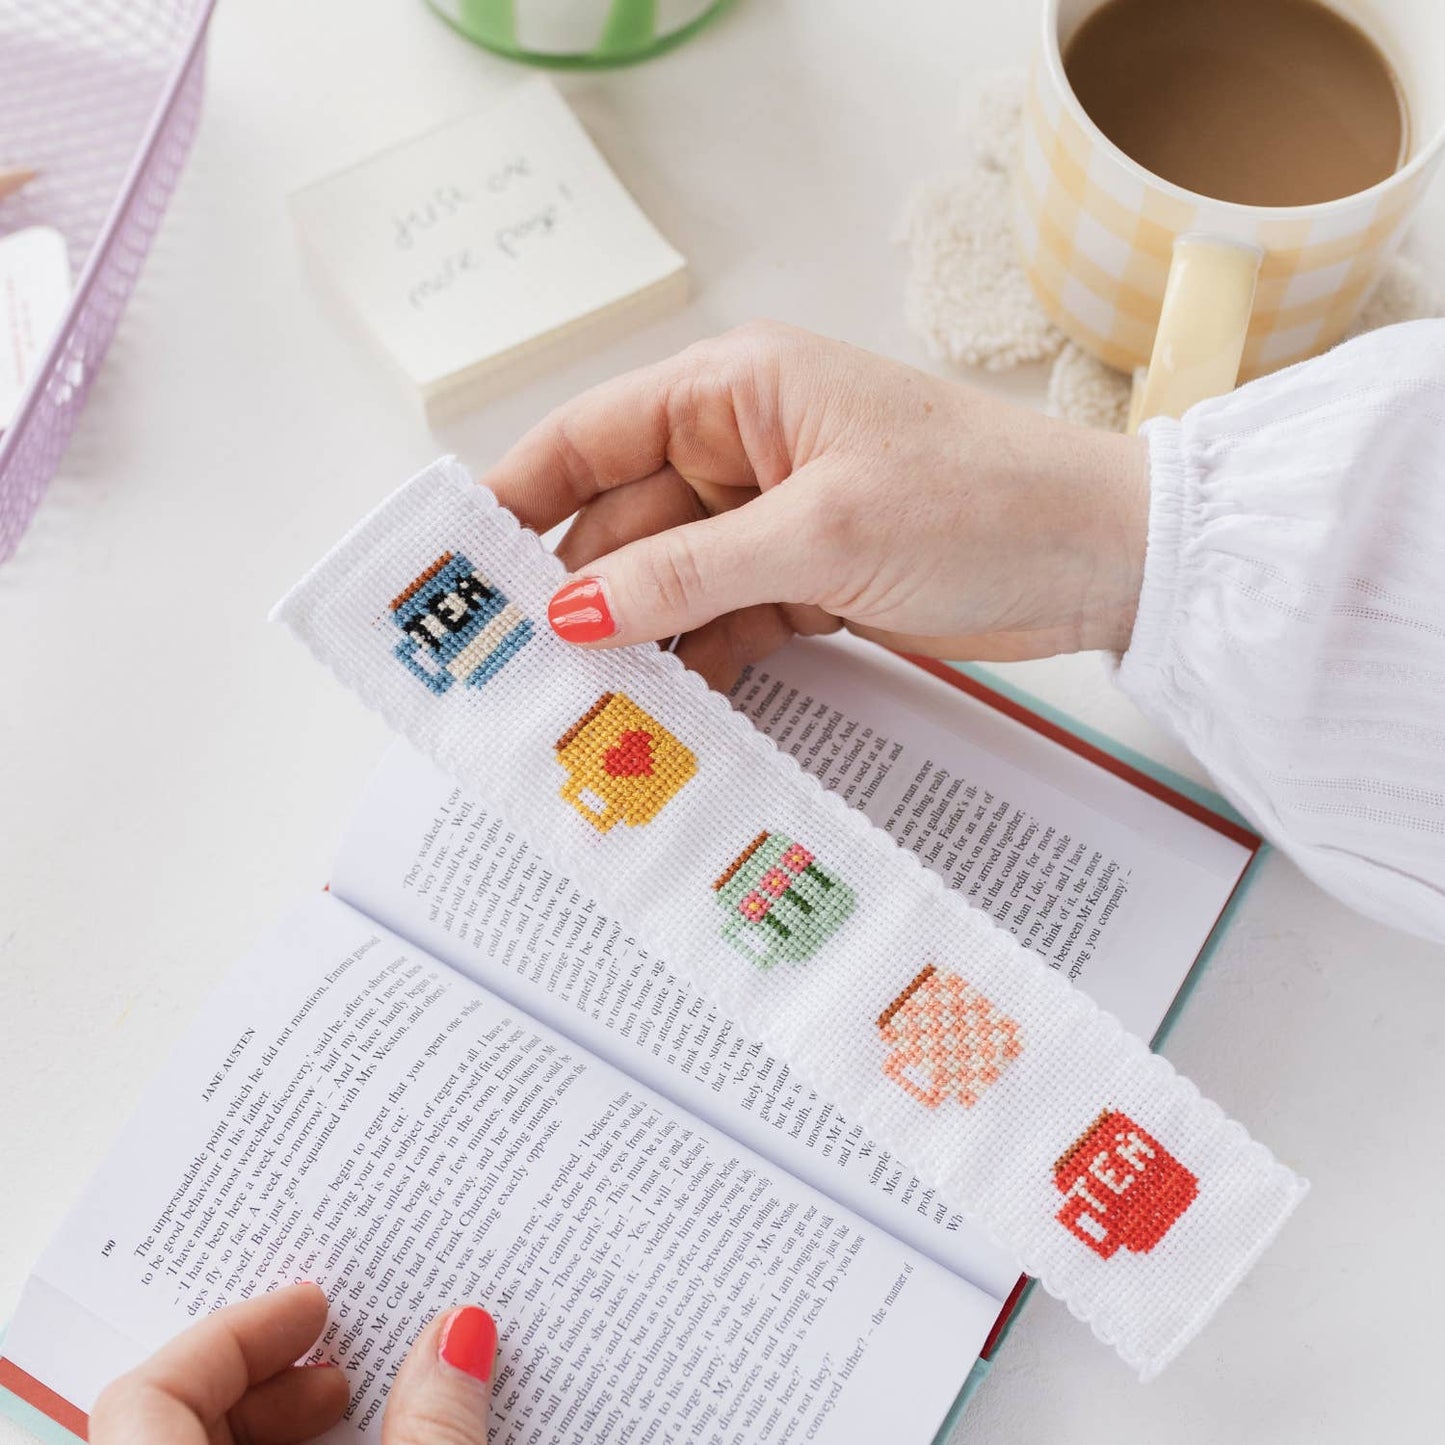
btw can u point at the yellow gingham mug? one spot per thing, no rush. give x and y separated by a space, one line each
1140 271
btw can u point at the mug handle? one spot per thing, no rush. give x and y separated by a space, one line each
737 932
1197 348
896 1067
572 791
1101 1239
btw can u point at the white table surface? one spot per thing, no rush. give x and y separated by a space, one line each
174 773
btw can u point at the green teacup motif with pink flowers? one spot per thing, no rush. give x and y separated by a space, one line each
779 903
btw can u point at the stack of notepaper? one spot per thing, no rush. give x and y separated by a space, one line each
481 252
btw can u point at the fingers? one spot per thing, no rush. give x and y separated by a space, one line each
615 433
623 515
298 1404
690 411
201 1374
1005 645
134 1412
442 1393
211 1365
719 650
680 578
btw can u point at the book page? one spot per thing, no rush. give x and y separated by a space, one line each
1114 888
436 865
347 1110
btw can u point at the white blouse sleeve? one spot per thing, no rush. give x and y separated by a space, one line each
1291 627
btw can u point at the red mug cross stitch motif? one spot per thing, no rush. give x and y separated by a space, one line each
1121 1187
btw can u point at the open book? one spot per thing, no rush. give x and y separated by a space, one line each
451 1078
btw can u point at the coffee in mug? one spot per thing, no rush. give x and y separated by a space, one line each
1263 102
1211 188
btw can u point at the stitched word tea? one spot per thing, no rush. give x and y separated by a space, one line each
457 626
1121 1186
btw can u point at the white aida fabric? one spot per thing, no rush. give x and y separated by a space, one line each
1124 1191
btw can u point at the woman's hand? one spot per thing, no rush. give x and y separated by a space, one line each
771 482
232 1380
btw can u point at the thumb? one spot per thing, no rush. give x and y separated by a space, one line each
682 577
442 1394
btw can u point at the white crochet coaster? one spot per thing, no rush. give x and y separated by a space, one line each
1129 1195
967 299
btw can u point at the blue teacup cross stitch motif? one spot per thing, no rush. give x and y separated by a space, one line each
779 903
459 628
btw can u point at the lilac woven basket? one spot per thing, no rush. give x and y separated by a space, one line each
102 98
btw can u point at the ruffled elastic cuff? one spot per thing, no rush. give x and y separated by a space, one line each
1140 667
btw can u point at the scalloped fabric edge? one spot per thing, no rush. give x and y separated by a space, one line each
1062 1137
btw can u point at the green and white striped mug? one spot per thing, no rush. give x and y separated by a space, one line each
578 32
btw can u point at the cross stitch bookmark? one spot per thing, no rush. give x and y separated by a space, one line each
1003 1087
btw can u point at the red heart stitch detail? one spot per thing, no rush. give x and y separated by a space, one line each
631 758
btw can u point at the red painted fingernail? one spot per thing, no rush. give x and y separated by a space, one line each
469 1342
580 612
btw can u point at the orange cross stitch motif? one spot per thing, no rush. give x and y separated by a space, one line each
949 1041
